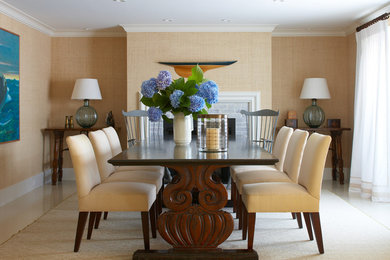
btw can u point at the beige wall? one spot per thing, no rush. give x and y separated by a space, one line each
297 58
23 159
100 58
252 72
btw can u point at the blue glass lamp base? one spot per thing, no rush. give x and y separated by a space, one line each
314 116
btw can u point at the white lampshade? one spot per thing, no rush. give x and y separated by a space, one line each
86 89
315 88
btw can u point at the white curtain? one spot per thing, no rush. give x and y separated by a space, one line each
370 166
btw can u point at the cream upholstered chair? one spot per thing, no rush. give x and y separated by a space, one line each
279 151
116 148
303 196
108 172
94 196
291 165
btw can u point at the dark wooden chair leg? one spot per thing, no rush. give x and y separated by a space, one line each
80 230
152 215
92 216
293 215
244 222
105 215
251 229
315 218
239 212
233 194
145 229
97 219
299 219
308 224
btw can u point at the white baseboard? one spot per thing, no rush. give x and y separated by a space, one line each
19 189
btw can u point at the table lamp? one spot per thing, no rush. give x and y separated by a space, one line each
314 88
86 89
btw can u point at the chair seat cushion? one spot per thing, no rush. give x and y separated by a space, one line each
136 176
237 169
260 176
119 196
149 168
278 197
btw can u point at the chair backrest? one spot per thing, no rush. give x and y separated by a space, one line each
84 163
313 163
280 147
139 127
293 159
113 139
261 126
103 153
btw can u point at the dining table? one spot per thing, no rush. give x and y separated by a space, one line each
195 223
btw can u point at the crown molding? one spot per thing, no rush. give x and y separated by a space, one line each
306 33
24 18
83 33
198 28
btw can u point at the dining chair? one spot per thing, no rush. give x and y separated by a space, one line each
116 148
279 151
95 196
102 149
291 167
261 126
303 196
139 128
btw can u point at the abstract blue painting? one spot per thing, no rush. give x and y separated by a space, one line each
9 87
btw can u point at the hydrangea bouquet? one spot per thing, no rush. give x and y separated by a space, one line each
194 96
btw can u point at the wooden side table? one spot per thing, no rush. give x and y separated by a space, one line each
337 152
59 148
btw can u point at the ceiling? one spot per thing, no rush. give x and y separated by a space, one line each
67 16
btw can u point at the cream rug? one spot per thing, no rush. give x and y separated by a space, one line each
347 234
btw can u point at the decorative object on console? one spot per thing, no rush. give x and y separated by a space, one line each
86 89
183 69
334 123
314 88
291 123
181 98
212 133
110 119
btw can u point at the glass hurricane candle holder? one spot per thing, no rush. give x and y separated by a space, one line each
212 133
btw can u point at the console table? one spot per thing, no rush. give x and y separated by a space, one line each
337 153
59 148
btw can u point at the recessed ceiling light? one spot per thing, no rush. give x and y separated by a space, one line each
167 20
226 20
121 1
280 1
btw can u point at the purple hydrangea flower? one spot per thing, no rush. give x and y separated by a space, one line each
209 91
149 87
175 98
196 103
154 114
164 79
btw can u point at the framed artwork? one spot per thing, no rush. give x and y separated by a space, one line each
9 87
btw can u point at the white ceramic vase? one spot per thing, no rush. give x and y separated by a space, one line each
182 127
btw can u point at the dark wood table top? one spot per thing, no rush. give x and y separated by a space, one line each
165 152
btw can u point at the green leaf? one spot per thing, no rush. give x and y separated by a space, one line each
207 105
148 101
160 100
178 84
167 119
197 74
185 102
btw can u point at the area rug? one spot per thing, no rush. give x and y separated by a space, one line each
347 232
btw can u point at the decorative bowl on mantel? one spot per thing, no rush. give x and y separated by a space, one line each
183 69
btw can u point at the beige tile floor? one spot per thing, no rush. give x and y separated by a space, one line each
20 213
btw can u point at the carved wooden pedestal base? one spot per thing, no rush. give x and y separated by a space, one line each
226 254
